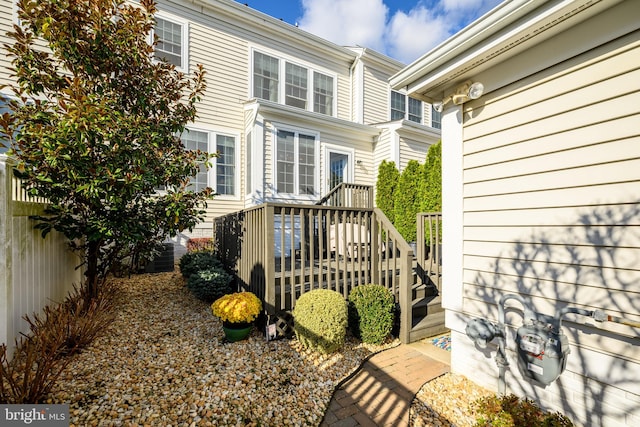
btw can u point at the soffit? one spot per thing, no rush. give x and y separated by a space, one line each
506 31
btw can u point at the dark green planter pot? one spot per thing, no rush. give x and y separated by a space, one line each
236 331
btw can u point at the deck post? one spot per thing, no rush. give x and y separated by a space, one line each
268 221
404 295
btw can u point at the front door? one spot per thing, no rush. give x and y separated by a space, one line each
339 169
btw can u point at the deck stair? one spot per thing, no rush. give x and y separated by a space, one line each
280 251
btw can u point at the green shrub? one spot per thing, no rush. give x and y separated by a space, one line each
510 411
371 313
210 284
192 262
406 203
386 185
320 320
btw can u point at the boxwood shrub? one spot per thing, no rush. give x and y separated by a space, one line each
192 262
371 313
320 320
210 284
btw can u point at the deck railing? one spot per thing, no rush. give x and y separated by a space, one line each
281 251
346 194
429 232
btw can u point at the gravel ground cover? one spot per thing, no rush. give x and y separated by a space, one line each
164 362
446 402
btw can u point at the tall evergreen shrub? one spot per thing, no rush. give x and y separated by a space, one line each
388 176
407 201
431 184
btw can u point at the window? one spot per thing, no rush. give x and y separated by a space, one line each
296 162
436 118
4 108
397 105
322 94
225 165
222 176
197 140
172 42
403 107
295 86
302 87
415 110
265 77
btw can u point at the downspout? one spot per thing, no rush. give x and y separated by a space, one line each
351 86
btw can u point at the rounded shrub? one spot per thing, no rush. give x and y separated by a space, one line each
209 285
371 313
320 320
192 262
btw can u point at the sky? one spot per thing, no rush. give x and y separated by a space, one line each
401 29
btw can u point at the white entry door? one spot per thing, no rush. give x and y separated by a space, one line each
338 168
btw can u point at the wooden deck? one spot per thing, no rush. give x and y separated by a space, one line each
281 251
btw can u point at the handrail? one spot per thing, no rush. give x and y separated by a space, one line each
347 194
280 251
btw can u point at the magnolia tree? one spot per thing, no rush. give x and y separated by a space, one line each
95 124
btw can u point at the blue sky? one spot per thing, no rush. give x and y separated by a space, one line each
401 29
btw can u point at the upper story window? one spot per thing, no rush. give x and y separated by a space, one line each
222 175
322 94
296 162
265 76
278 80
436 118
398 105
403 107
172 44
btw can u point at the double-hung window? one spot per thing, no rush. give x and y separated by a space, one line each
222 175
295 86
404 107
296 157
278 80
322 93
266 70
436 118
172 41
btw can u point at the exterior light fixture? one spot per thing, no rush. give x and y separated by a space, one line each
461 95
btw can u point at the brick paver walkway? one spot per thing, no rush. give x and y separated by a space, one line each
380 394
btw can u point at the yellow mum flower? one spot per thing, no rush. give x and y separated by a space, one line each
239 307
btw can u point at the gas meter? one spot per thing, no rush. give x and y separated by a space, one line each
542 351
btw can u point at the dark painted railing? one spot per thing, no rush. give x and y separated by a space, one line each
280 251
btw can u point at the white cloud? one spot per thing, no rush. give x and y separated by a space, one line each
346 22
461 4
404 35
413 34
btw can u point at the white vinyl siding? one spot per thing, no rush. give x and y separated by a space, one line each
550 184
376 96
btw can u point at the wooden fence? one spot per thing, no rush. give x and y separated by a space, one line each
34 272
281 251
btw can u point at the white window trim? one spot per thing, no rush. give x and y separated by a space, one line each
211 173
274 167
185 37
282 60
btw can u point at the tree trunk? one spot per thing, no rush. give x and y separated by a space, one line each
93 252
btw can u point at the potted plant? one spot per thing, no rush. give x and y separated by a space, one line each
237 312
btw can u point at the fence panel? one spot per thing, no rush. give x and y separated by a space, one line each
34 272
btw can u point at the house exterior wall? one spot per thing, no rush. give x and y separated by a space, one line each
549 190
376 87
